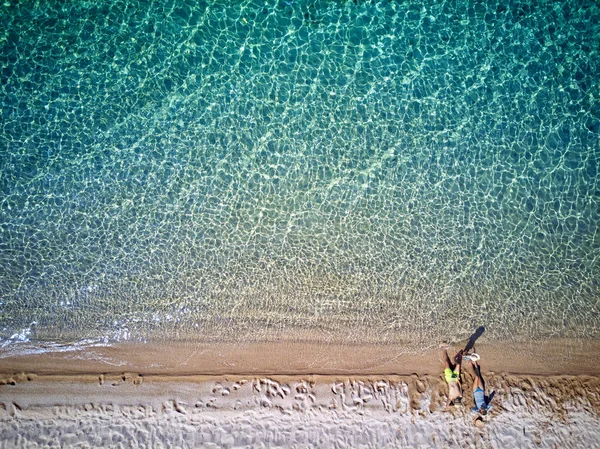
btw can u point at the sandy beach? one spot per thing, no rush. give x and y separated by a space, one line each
546 357
295 395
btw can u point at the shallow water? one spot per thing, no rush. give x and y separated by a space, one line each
372 170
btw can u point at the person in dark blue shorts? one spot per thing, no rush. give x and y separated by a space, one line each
482 405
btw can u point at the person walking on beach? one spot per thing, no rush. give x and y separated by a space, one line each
452 376
482 404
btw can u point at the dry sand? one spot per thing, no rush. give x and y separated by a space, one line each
294 395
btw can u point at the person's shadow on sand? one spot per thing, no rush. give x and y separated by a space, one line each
473 338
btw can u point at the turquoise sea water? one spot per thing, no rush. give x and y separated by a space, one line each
336 170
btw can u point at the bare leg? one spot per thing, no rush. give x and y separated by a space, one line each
478 380
447 361
458 359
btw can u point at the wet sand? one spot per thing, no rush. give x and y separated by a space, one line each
550 357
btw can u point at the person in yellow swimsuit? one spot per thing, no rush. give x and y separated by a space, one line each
452 376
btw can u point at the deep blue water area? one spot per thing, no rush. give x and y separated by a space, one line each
382 170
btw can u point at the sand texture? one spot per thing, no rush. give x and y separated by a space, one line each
548 357
293 412
269 395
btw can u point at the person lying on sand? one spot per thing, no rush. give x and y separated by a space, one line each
482 405
452 376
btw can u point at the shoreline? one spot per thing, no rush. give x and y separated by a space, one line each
545 358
